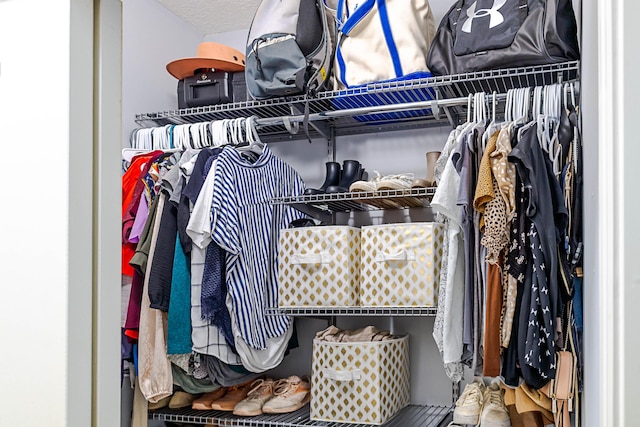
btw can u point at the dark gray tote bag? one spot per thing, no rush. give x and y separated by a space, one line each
477 35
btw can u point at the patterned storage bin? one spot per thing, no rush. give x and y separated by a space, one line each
400 264
319 266
360 382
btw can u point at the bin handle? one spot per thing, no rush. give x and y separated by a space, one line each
403 255
336 375
317 258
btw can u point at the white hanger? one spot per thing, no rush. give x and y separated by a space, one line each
253 143
144 140
213 131
194 132
524 97
252 134
555 150
516 104
238 130
539 113
479 107
509 105
219 134
177 140
180 137
204 135
494 125
522 104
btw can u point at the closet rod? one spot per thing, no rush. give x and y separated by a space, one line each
375 109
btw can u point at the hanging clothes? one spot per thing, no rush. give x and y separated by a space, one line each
246 225
549 216
462 163
207 338
448 326
179 315
132 187
214 288
154 368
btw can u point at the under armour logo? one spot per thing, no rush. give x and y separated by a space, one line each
496 16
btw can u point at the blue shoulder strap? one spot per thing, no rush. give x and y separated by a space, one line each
353 20
388 36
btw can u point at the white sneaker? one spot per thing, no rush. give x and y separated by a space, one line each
494 412
469 404
289 394
261 391
367 186
395 182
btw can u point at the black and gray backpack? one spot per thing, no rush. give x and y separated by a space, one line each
289 49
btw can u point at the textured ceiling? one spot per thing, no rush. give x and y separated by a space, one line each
214 16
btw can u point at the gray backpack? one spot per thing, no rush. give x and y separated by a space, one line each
289 49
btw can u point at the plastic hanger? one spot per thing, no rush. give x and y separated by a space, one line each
181 137
494 126
194 132
507 106
478 107
555 150
522 103
252 132
255 143
549 136
145 140
204 135
219 133
539 113
251 148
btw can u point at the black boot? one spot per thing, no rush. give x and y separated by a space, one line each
332 178
351 172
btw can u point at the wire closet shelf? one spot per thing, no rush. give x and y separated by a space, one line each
420 103
414 416
352 311
321 206
365 109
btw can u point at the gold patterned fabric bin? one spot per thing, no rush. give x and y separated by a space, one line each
359 382
400 264
319 266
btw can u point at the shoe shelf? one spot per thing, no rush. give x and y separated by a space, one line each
372 108
411 416
352 311
322 206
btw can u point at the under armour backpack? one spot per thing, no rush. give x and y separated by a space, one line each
288 49
480 35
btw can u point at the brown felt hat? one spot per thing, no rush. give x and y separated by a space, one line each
209 55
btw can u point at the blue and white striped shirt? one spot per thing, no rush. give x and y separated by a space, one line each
246 225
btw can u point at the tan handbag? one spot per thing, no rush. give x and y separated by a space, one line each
563 386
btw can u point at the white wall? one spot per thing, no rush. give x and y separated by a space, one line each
593 394
611 312
46 121
108 215
236 39
629 232
153 37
